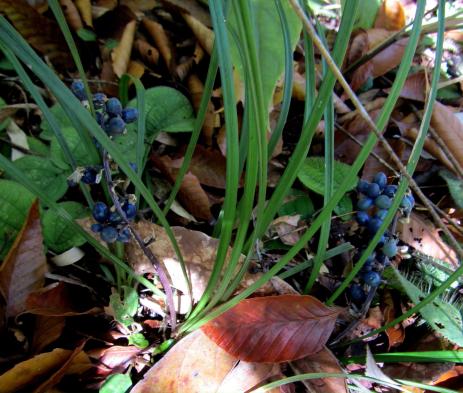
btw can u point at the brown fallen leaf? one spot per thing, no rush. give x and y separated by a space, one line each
71 14
273 329
27 373
391 15
323 362
395 334
136 69
42 33
415 87
115 357
25 265
424 237
191 7
286 228
162 41
148 53
121 54
46 330
85 9
203 34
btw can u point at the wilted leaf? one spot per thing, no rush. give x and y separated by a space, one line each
42 33
115 357
274 328
391 15
323 362
373 370
85 9
71 14
40 367
46 330
415 87
422 235
203 34
162 41
395 334
286 227
149 53
121 54
25 265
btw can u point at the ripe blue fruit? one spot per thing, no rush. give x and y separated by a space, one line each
115 218
100 212
99 117
99 100
115 126
383 202
374 224
364 203
381 258
372 278
381 214
390 248
78 88
124 235
129 115
380 179
89 175
362 218
130 210
367 267
133 166
373 190
411 199
113 107
390 190
96 228
357 294
109 234
406 203
362 186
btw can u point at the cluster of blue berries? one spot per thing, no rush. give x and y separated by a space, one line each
109 112
110 224
374 201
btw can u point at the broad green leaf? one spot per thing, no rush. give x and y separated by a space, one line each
455 187
166 110
312 174
61 119
443 317
116 383
298 203
344 207
127 143
58 233
126 307
78 150
37 146
367 16
15 201
44 175
270 42
139 340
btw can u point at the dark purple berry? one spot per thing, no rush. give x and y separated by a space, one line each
364 203
357 294
373 190
96 228
99 100
380 179
390 190
115 218
390 248
383 202
89 176
99 117
362 218
100 212
115 126
109 234
381 258
372 279
129 115
374 224
130 210
78 88
124 235
113 107
362 186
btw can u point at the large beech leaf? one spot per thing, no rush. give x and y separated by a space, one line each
273 328
24 268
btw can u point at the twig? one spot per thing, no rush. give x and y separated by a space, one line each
146 250
358 105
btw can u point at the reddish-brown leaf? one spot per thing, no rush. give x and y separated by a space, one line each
395 334
415 87
23 270
46 330
273 328
115 357
391 15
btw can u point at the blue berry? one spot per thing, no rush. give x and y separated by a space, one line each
109 234
100 212
411 199
96 228
362 218
129 115
381 258
406 204
89 175
115 126
78 88
124 235
372 278
371 257
367 267
130 210
381 214
99 100
390 248
380 179
362 186
374 224
373 190
364 203
113 107
133 166
115 218
383 202
390 190
357 294
99 117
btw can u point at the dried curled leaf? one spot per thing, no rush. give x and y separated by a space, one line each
273 328
121 55
24 268
204 35
391 15
162 41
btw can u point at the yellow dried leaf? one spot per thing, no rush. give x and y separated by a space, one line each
85 9
148 52
71 14
204 35
161 39
121 55
136 69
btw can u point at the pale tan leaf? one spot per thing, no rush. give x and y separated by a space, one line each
322 362
19 138
149 53
72 14
121 54
25 265
204 35
391 15
286 228
162 41
423 236
85 9
247 375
